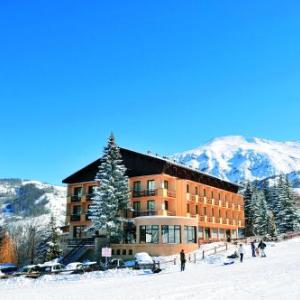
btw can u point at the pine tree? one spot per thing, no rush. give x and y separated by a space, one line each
53 249
248 209
288 216
271 228
260 221
111 196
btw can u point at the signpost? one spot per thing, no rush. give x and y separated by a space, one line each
106 252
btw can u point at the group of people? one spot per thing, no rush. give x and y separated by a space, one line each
256 251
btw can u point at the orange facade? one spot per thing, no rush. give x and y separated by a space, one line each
217 213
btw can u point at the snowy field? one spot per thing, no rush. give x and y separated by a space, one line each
274 277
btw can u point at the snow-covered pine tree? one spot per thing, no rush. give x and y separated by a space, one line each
260 220
271 228
248 209
111 197
287 216
53 248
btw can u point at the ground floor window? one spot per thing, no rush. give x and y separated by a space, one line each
200 232
190 234
207 233
171 234
221 233
149 234
215 233
78 231
241 233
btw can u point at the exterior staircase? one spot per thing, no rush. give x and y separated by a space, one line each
78 250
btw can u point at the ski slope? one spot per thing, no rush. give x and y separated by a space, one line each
274 277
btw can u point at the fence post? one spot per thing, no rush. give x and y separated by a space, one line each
174 260
203 254
226 246
195 257
215 250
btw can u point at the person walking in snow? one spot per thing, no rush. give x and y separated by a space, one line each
261 246
182 260
241 252
253 248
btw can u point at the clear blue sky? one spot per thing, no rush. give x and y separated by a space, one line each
162 75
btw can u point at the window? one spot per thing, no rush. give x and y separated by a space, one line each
137 189
151 206
166 184
188 208
219 196
78 191
212 194
77 210
204 211
78 231
124 252
130 252
196 190
204 192
91 189
150 185
149 234
171 234
213 212
187 188
166 205
137 186
196 209
136 208
190 234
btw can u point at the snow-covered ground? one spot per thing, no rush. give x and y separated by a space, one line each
274 277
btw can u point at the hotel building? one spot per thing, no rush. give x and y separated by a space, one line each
174 207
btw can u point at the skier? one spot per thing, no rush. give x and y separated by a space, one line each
253 248
241 252
182 260
262 247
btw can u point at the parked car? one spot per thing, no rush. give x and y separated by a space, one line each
73 268
143 261
51 268
8 268
26 269
90 266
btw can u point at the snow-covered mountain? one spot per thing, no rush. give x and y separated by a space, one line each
237 159
22 199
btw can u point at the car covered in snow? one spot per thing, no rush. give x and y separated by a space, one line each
8 268
143 261
73 268
26 270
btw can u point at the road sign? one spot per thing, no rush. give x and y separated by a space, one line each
106 252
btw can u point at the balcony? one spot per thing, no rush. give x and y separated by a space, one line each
75 218
144 193
75 198
87 217
144 213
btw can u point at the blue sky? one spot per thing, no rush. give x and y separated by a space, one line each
162 75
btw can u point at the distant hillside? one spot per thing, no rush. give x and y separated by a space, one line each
20 199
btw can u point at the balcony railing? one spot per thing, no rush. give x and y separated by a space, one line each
144 193
75 198
75 217
144 213
87 217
